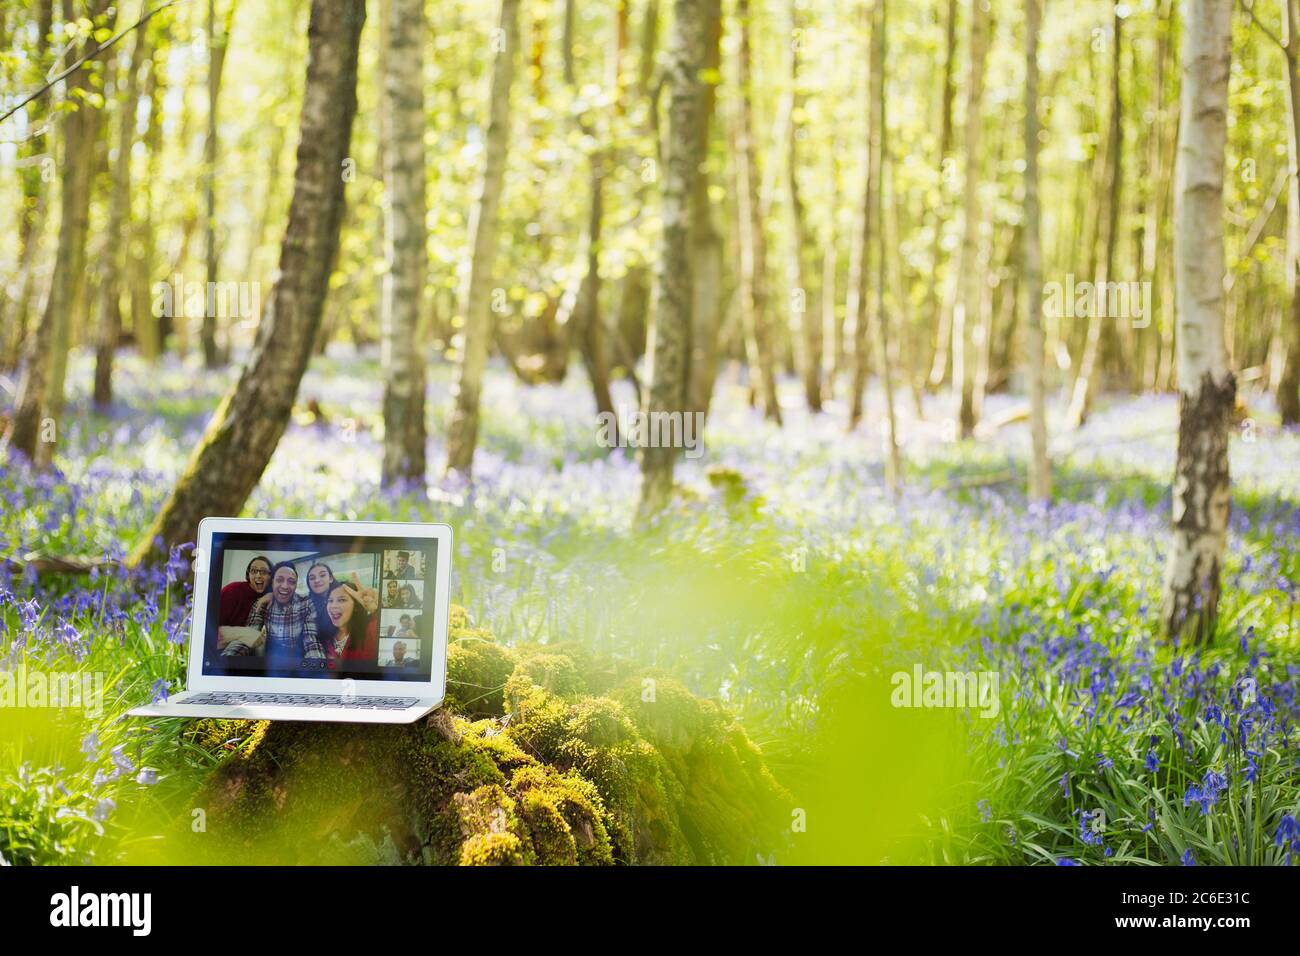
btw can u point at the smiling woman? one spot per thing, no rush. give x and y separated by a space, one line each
238 597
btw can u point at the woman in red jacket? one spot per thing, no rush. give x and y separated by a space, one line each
349 609
238 597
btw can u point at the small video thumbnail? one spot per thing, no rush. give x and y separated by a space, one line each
404 565
406 595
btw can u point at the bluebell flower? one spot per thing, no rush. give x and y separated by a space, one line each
121 762
1287 831
1188 859
986 812
103 808
1152 762
1066 861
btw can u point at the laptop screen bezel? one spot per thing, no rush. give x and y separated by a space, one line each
434 687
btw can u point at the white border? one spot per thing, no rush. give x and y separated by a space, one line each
435 687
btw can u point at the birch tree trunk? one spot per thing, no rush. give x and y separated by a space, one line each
1085 383
669 336
879 321
1288 386
217 41
35 201
119 213
248 424
590 324
805 324
1206 386
706 242
862 276
39 404
1040 473
402 354
939 302
753 243
967 308
144 323
462 430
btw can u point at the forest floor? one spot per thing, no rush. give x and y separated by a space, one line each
784 584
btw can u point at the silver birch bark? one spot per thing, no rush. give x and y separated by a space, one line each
462 431
967 308
1206 386
669 336
401 352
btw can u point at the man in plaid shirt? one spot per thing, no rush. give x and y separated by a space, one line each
289 619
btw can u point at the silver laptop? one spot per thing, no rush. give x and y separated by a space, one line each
316 620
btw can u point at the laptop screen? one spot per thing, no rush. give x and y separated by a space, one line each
325 606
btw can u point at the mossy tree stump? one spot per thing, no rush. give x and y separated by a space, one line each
539 755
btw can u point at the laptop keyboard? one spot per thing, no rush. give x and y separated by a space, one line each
230 699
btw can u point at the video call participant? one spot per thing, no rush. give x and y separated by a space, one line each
319 578
408 597
392 595
289 619
399 658
406 627
356 627
403 571
238 597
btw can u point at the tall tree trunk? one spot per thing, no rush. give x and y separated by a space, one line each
1153 247
217 42
878 319
402 355
1085 383
805 324
591 330
35 201
144 323
669 338
1040 470
588 321
119 214
462 431
1288 386
753 242
939 304
34 428
859 305
706 241
1207 388
831 317
247 426
967 308
901 284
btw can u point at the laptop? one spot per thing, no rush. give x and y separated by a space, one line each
316 620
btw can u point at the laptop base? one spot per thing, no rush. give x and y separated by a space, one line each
357 711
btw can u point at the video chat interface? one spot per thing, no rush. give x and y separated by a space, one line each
320 606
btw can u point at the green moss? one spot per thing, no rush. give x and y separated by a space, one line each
554 672
732 806
477 671
521 766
